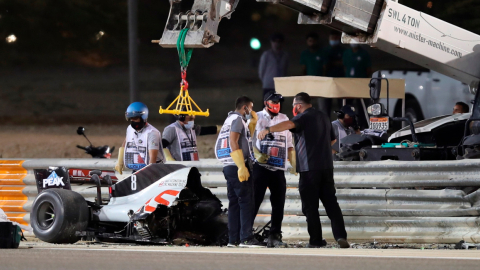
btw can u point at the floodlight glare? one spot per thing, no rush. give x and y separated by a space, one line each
11 39
255 43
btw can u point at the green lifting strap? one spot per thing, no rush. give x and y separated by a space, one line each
183 55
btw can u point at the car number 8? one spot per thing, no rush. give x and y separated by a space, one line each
134 182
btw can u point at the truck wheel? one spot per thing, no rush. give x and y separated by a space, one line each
413 110
57 214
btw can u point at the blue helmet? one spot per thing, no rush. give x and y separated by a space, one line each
137 109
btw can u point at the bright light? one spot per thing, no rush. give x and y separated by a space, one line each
99 35
12 38
421 87
255 43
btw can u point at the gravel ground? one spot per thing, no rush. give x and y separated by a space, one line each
35 242
51 141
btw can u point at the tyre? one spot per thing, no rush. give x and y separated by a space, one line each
57 214
412 111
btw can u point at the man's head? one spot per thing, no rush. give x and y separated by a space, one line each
272 103
460 107
301 102
334 38
137 114
312 40
186 120
244 106
347 115
276 41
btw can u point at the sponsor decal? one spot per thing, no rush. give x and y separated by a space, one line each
165 198
173 183
53 180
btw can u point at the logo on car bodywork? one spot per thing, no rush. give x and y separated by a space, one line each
173 183
166 198
53 180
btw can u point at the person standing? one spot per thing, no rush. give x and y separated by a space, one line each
273 63
345 125
270 165
233 149
313 136
332 66
142 143
311 59
357 62
180 138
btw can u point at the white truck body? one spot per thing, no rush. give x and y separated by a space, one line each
383 24
425 41
434 93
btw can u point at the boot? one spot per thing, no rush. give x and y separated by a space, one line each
275 240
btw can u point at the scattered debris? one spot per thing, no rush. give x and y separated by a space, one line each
464 245
291 244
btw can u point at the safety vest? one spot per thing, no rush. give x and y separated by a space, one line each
222 146
275 144
136 147
186 143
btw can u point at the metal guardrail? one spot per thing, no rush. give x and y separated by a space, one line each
372 196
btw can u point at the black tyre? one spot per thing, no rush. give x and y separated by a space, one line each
57 214
412 111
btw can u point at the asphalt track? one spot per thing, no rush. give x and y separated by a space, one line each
148 257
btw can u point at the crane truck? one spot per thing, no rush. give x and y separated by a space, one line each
382 24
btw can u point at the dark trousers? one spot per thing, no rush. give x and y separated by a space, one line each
276 182
315 185
241 205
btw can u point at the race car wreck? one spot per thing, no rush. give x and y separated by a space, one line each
159 204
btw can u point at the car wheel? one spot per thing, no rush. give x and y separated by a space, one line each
57 214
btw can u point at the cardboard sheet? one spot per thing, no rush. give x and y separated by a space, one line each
317 86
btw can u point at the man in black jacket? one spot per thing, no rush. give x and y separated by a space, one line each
314 137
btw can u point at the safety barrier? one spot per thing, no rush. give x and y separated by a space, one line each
379 200
12 198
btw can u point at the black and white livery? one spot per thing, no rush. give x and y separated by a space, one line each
158 204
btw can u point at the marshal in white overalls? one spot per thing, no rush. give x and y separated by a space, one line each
136 147
187 143
222 146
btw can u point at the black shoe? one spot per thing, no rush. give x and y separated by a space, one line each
251 243
324 244
275 240
343 243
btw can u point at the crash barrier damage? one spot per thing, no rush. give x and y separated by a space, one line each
395 201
